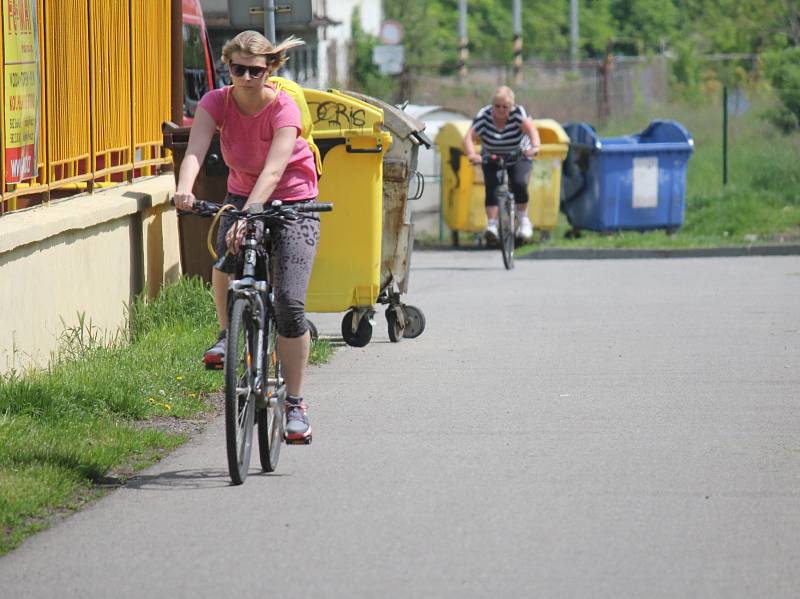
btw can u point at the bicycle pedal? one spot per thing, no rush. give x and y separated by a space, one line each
303 441
214 366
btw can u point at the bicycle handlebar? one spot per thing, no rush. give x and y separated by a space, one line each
506 159
276 209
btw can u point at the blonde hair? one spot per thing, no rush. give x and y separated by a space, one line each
252 43
505 93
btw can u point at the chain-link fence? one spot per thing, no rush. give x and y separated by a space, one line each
589 91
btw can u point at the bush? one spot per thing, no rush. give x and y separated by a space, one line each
783 71
367 76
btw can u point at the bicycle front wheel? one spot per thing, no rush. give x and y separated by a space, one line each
506 230
270 418
239 394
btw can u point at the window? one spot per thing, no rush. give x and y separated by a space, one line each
195 73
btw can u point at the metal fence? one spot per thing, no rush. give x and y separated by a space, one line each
589 91
105 83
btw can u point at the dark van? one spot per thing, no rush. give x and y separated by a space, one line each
199 75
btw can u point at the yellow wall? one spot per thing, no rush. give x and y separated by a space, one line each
90 255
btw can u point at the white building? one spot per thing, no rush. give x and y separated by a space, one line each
325 25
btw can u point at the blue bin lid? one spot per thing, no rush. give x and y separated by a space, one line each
666 132
582 135
664 135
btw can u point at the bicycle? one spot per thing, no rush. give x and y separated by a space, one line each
254 387
506 215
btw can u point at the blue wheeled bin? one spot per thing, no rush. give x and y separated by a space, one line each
633 182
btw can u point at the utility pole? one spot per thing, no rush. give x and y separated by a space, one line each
269 20
517 18
464 40
573 33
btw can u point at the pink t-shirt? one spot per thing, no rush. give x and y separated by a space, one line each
246 140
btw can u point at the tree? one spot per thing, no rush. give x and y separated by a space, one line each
646 23
366 74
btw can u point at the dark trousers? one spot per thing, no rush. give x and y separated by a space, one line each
519 174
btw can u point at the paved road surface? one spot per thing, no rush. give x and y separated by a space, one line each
569 429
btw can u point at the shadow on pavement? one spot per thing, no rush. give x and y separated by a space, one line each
181 480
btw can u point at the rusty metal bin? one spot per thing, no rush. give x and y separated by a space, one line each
211 185
400 177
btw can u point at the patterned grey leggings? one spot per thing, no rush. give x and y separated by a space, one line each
294 246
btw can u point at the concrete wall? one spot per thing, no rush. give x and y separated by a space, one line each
91 255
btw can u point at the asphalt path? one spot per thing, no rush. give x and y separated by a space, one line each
568 429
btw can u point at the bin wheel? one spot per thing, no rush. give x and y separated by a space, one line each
396 328
363 333
312 328
415 322
545 236
454 238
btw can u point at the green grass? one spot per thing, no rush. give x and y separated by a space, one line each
62 430
759 204
49 467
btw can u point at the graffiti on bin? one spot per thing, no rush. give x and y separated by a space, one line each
330 115
543 173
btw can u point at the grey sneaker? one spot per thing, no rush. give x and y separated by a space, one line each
298 429
214 358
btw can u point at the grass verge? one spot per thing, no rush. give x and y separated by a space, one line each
67 429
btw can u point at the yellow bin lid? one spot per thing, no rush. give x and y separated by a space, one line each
336 114
452 134
555 141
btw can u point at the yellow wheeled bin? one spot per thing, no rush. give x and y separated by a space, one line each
399 170
462 182
347 269
545 185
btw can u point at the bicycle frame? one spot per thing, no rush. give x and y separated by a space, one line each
505 205
258 294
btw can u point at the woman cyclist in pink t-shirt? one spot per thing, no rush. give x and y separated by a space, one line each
268 160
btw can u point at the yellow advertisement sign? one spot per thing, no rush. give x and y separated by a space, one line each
22 89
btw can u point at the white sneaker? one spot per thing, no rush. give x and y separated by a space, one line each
525 229
490 233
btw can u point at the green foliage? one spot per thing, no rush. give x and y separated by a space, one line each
647 24
783 70
598 28
686 74
367 76
619 26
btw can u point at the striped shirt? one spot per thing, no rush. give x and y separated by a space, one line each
507 140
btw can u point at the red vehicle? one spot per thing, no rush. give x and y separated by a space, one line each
199 75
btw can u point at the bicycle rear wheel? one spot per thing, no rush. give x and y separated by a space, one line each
270 418
239 396
506 230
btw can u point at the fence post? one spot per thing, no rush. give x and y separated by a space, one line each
517 19
724 135
463 51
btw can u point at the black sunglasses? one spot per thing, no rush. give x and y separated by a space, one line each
238 70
